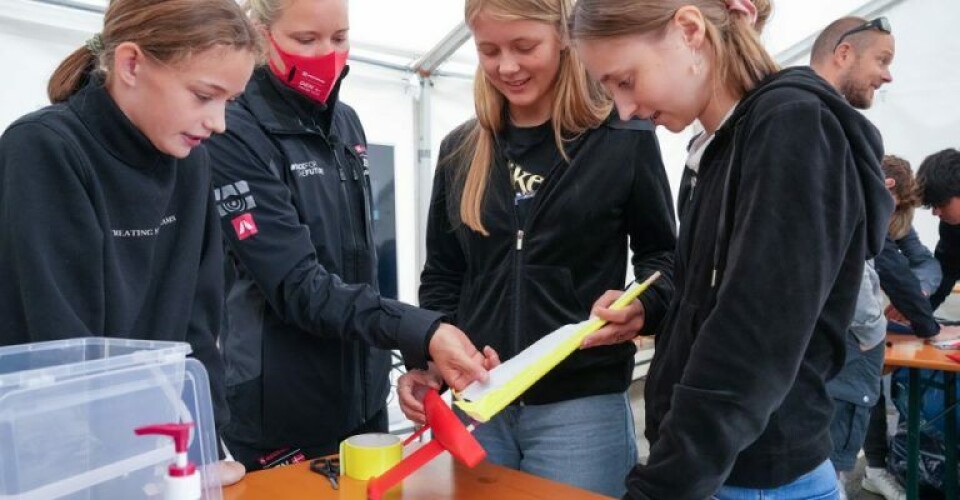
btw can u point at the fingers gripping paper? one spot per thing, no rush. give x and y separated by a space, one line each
483 400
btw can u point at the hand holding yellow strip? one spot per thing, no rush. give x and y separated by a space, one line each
511 379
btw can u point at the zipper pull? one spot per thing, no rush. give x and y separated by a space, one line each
520 240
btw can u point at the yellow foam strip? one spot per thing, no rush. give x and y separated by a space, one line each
493 402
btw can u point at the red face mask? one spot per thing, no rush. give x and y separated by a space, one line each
313 77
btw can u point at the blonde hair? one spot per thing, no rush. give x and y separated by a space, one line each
578 103
264 12
742 61
168 31
907 191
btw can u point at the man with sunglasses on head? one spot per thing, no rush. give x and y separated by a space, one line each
854 56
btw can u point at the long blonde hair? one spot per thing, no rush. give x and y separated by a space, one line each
579 104
167 30
741 59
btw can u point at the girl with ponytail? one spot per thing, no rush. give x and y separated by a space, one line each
782 201
107 226
535 204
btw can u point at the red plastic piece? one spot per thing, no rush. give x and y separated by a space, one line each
954 357
451 433
448 434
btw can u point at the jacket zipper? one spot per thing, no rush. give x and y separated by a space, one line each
354 250
518 279
368 235
365 189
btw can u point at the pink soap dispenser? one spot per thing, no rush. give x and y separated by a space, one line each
182 481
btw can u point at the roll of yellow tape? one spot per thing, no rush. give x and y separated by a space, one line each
369 455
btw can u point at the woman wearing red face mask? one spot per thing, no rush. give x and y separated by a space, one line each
305 325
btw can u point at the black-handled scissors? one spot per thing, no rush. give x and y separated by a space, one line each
327 467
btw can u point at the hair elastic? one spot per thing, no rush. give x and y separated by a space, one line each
746 7
95 44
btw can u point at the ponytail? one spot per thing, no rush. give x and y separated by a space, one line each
71 75
168 31
743 61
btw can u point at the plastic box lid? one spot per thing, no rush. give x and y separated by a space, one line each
42 363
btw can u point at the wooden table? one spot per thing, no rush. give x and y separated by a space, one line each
907 351
441 478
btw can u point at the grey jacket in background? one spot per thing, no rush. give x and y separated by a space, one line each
869 325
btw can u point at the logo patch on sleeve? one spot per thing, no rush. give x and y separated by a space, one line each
234 198
244 226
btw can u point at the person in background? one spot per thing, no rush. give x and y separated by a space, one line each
907 292
306 327
781 204
939 180
908 271
107 226
854 55
535 204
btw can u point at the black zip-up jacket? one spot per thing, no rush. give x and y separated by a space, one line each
101 234
304 318
947 253
511 288
788 204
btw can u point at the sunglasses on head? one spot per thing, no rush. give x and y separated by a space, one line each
880 24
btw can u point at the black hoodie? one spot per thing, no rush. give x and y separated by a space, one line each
102 234
788 204
530 277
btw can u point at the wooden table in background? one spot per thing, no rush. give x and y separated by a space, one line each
441 478
907 351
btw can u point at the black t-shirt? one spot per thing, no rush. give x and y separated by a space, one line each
531 154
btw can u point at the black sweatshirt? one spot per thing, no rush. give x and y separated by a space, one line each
511 288
904 290
103 235
948 254
735 393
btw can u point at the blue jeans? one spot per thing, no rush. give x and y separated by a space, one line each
818 484
588 442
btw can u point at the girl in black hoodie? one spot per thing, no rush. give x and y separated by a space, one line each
781 203
106 222
535 204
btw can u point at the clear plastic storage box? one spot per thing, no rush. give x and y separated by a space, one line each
68 410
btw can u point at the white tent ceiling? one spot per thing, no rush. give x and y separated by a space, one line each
397 33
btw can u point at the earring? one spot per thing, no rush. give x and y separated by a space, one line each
697 63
